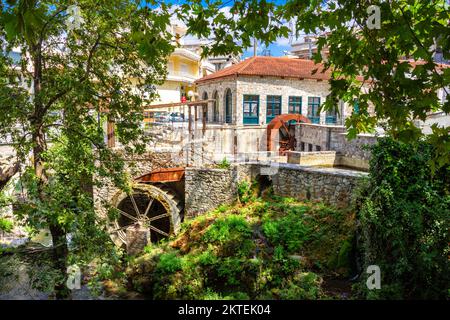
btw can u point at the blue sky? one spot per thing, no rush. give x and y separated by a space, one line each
276 49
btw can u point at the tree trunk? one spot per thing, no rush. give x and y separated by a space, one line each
6 175
60 248
60 253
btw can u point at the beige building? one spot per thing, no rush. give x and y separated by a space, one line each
185 65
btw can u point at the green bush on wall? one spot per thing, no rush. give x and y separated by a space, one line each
6 225
404 214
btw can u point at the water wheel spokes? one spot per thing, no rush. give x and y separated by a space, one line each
127 215
147 210
158 217
158 231
155 208
135 207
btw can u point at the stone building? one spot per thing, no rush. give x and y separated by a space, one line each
256 90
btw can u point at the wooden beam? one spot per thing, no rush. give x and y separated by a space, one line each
204 118
178 104
189 122
163 175
111 137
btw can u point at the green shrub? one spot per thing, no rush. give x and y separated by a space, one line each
227 228
169 263
235 253
404 214
224 164
302 286
6 225
231 270
290 232
207 258
246 192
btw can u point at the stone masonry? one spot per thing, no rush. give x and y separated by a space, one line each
263 86
137 167
206 189
328 185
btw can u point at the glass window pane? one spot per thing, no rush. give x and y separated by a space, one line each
295 105
277 109
250 109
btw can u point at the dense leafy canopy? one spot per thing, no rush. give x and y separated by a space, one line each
404 222
53 104
397 91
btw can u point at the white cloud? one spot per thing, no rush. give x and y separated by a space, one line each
227 13
283 42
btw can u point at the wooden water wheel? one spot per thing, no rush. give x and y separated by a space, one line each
155 207
283 123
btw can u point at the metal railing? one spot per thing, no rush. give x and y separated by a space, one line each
315 120
330 119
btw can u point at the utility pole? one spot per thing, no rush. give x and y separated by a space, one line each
255 45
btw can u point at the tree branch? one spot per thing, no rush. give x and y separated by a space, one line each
6 175
84 78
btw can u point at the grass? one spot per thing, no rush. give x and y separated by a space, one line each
260 248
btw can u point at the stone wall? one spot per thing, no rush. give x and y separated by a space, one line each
332 138
328 185
318 158
231 141
206 189
316 136
352 148
263 86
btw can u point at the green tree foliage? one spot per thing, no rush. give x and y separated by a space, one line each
399 92
367 64
54 103
6 225
404 213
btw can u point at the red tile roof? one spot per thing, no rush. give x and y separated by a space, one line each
283 67
274 67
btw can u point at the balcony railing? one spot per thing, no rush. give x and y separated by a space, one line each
315 120
330 119
181 75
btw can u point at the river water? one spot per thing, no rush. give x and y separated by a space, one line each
23 276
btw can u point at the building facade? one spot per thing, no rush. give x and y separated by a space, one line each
184 67
307 47
258 89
